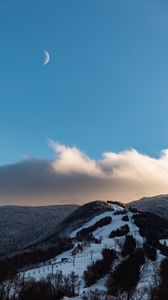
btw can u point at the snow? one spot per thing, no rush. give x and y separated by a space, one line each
148 278
164 242
117 207
79 263
93 252
92 222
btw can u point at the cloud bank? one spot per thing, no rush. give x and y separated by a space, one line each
73 177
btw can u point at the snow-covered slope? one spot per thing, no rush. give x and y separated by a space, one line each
87 251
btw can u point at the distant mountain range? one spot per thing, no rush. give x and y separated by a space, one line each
157 205
21 225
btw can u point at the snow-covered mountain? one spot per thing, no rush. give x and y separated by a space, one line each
110 252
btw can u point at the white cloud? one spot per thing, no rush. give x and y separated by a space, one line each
72 177
71 159
126 175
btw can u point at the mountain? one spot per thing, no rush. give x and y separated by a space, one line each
101 251
76 219
157 205
21 225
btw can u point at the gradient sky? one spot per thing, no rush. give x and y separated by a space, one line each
106 87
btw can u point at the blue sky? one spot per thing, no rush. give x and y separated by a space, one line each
105 88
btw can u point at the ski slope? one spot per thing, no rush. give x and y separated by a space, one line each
67 262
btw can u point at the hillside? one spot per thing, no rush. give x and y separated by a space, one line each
21 225
112 252
157 205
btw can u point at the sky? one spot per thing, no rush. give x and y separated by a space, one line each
105 90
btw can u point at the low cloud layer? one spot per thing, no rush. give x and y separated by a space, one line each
72 177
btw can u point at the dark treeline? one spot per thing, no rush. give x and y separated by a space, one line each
85 232
150 252
151 225
129 245
11 265
126 275
120 212
120 232
125 218
153 228
54 287
100 268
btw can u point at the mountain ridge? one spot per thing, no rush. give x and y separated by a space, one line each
111 252
155 204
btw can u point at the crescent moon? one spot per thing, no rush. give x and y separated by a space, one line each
46 58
